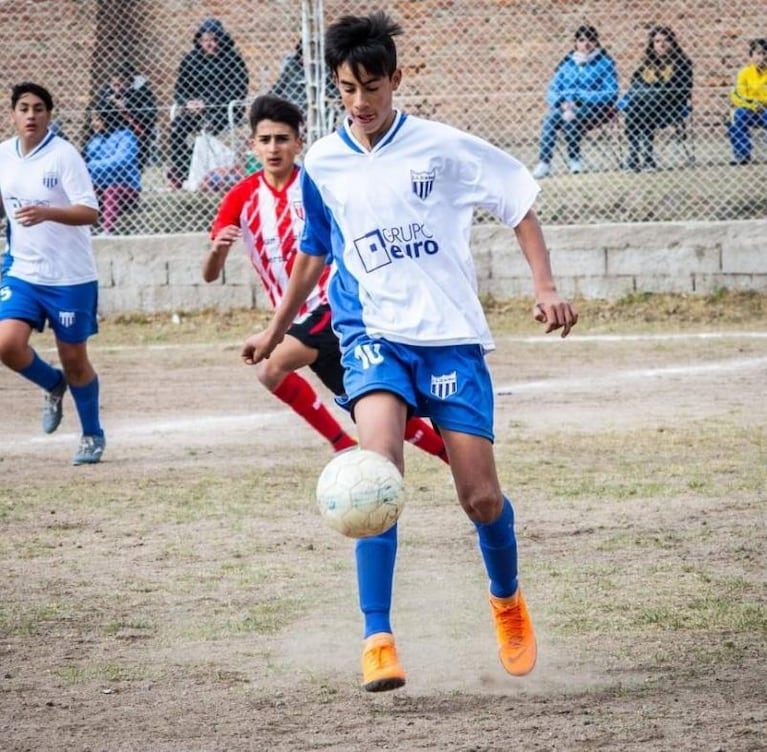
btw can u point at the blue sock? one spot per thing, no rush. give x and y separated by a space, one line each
87 402
375 579
498 545
43 374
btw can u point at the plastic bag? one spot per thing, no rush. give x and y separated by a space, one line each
210 156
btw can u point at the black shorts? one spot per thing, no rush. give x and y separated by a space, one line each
315 332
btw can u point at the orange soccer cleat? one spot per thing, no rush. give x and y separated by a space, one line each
517 648
381 669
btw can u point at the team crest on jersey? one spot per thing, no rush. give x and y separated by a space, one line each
444 386
422 183
50 179
298 209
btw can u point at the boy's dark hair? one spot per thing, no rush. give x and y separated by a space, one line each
364 42
18 91
587 32
757 44
271 107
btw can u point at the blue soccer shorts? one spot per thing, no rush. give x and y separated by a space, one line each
451 385
70 310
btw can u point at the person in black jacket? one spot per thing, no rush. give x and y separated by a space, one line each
659 95
210 76
129 93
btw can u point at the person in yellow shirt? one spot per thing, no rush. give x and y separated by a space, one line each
749 100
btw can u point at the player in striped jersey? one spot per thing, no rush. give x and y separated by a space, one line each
265 211
49 273
389 200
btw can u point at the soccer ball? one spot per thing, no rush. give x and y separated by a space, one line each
360 493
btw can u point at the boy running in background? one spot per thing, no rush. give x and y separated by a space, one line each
266 212
49 273
389 199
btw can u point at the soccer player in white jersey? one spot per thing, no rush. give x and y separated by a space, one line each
265 211
50 272
389 199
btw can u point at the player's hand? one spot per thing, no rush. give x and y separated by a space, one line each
259 346
28 216
556 313
226 237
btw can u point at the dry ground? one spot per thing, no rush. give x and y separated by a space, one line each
184 595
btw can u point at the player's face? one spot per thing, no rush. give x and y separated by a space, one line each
759 57
277 146
368 102
30 118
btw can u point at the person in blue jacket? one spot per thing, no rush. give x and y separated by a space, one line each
581 95
112 158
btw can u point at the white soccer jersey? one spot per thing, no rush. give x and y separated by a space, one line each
397 222
53 174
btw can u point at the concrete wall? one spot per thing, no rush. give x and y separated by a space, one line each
598 261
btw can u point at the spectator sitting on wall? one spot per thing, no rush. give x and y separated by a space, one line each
112 158
210 76
749 102
129 93
581 95
659 95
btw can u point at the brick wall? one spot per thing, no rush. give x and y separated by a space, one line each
470 62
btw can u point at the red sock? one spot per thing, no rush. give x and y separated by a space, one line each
297 392
419 433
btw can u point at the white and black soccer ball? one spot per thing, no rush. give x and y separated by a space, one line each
360 493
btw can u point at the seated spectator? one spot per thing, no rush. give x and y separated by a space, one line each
291 82
749 102
112 158
210 76
129 93
659 95
581 95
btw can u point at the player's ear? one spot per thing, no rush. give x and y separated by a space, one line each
396 79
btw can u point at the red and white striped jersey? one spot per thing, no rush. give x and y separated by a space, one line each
272 222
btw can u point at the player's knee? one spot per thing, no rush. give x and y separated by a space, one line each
482 507
12 353
269 376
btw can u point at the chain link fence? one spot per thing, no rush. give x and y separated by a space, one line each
180 74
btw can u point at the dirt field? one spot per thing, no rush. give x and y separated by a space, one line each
184 595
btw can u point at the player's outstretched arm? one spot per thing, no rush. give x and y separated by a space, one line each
305 275
550 308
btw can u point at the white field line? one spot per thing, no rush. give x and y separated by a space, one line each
198 427
195 425
597 383
536 339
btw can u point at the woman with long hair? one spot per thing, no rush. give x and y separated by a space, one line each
659 95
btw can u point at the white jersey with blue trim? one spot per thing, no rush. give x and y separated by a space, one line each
397 221
52 174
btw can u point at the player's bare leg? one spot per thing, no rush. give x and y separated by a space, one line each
19 356
479 492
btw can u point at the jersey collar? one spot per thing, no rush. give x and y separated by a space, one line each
345 132
49 136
